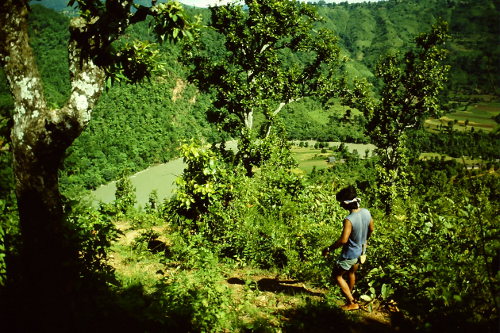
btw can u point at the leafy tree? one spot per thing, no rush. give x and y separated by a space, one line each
125 194
41 134
269 55
204 181
410 94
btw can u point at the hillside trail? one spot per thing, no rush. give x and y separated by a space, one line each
284 297
294 305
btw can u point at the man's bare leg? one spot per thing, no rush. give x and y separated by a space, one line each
352 277
344 287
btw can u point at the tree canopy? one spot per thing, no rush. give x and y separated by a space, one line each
264 56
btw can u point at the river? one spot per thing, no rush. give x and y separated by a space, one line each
162 178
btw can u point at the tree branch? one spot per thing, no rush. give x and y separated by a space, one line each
19 64
87 83
278 110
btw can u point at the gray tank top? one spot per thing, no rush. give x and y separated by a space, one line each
360 221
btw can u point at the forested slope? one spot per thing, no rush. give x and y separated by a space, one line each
369 30
135 126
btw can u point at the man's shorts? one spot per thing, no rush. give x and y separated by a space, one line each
346 264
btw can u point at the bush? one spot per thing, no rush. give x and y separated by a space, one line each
263 221
438 257
95 231
125 195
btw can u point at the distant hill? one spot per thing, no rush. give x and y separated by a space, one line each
62 5
371 29
58 5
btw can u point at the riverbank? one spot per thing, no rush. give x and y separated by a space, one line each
161 178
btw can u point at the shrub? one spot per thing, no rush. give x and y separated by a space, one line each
206 180
125 195
438 257
95 231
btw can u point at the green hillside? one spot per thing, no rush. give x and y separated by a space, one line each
239 249
367 31
371 29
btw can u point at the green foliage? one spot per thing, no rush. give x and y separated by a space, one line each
199 298
171 22
190 298
140 219
255 219
134 61
125 195
137 59
269 55
95 231
476 144
445 258
204 181
411 87
369 30
134 127
271 230
49 37
153 203
308 118
145 63
277 220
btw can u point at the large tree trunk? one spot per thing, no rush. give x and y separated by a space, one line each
40 137
49 258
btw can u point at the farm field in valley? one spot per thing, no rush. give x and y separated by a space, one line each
309 158
480 116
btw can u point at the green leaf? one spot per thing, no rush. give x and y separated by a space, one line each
175 32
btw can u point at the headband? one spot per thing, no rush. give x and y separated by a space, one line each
358 200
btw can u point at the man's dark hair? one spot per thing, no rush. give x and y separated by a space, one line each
347 193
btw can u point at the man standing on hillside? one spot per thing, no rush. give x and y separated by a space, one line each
358 226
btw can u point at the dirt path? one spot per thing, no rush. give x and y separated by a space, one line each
284 298
283 304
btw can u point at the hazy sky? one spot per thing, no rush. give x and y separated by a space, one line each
206 3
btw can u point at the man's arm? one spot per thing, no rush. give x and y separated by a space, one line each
344 237
371 227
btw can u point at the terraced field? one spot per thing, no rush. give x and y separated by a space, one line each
480 116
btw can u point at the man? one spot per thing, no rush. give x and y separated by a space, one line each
358 226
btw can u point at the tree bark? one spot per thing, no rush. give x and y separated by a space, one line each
40 137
